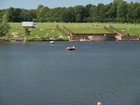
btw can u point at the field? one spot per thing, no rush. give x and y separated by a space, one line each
131 29
85 27
48 30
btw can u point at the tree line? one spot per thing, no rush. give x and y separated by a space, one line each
116 11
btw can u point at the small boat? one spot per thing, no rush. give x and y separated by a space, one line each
51 42
70 48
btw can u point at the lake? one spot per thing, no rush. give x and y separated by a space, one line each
40 73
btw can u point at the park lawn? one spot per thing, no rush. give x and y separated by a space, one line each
16 28
133 31
49 29
128 29
42 30
89 30
77 28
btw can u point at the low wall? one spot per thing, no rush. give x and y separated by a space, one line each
4 40
12 40
97 38
93 37
130 38
127 37
78 37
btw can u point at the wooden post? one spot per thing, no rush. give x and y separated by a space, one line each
99 103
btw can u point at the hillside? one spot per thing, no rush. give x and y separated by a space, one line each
48 30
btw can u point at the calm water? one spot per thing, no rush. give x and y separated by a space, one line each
44 74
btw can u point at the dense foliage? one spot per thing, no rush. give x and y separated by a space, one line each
116 11
4 26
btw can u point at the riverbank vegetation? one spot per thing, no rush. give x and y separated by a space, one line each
4 26
43 31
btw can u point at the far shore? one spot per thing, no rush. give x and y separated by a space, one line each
73 32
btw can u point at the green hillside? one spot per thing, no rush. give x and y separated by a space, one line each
49 30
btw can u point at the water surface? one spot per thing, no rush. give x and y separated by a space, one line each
44 74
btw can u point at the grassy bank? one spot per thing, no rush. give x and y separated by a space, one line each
43 30
48 30
131 29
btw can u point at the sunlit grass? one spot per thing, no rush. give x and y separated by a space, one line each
49 29
128 29
42 30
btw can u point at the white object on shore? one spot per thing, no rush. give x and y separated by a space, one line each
51 42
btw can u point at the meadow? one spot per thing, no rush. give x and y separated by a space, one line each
43 30
131 29
48 30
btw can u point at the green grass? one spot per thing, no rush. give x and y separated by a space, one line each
86 28
42 30
49 29
130 29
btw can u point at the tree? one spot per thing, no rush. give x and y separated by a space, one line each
38 13
65 16
116 11
11 14
129 15
4 26
100 10
14 14
27 31
112 11
68 15
2 12
136 13
122 11
92 13
80 13
43 12
87 12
